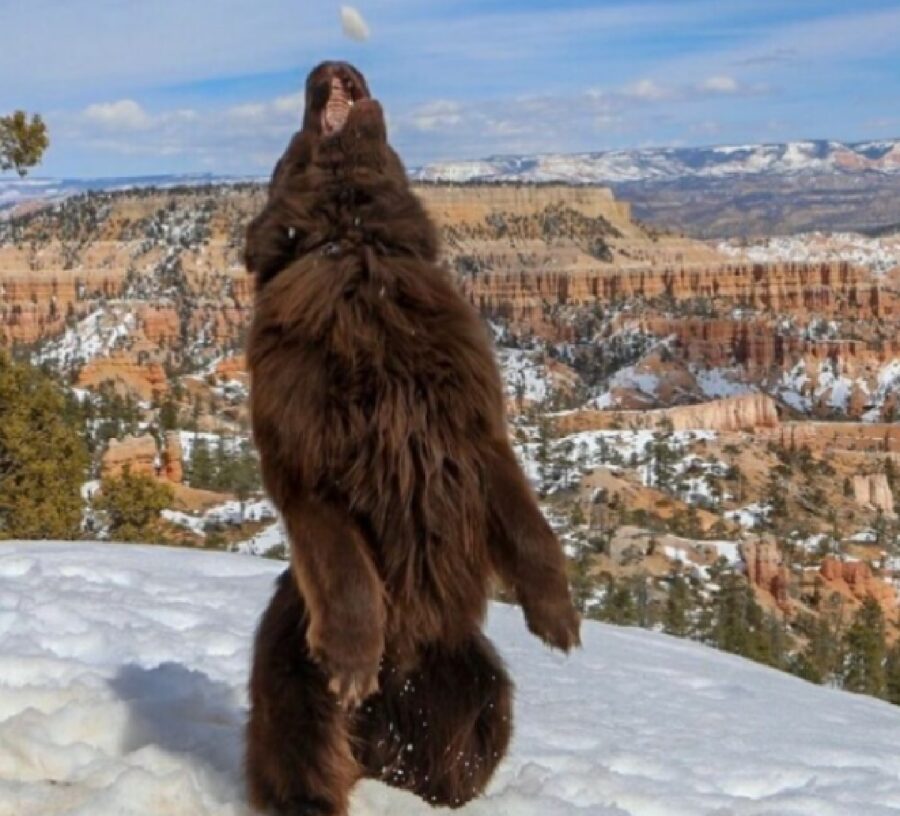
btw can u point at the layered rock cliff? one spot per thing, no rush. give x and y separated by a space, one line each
743 413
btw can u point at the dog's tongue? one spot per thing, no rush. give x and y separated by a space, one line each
338 108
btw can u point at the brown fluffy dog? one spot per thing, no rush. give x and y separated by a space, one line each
378 412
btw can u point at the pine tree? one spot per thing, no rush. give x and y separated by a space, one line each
618 605
43 459
245 474
221 466
23 141
864 642
679 603
202 470
738 623
168 415
131 505
818 662
543 453
892 675
662 459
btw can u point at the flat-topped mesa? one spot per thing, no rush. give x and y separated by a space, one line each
474 204
747 412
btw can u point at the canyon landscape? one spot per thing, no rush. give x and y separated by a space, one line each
699 417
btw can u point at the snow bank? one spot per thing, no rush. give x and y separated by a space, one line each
122 691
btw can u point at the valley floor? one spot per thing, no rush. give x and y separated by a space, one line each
122 691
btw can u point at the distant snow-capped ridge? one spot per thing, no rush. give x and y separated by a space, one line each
675 163
16 191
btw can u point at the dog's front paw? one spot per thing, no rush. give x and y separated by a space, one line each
350 656
353 685
555 621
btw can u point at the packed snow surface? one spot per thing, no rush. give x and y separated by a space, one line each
122 691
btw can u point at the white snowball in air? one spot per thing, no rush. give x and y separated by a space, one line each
354 25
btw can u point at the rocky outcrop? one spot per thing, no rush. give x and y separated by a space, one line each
765 569
146 380
141 455
173 458
758 345
160 325
232 368
824 289
855 580
455 205
36 302
138 453
845 436
874 491
742 413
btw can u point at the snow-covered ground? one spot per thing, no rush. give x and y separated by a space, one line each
97 335
524 374
122 691
877 254
751 516
590 449
824 382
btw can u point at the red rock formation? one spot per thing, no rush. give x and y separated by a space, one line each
35 302
757 344
160 325
139 453
874 491
824 289
742 413
453 205
854 436
765 569
173 458
854 579
146 380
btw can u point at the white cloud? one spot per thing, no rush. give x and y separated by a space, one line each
647 90
244 138
126 114
277 111
607 121
436 115
720 84
250 112
706 128
293 104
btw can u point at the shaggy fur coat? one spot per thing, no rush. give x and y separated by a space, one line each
378 412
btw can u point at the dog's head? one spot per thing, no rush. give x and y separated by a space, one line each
332 89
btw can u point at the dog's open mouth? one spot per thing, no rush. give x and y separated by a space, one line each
343 96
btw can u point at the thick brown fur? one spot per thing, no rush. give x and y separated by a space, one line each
378 412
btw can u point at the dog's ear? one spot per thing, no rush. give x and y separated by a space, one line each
269 247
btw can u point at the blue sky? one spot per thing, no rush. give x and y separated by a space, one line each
162 86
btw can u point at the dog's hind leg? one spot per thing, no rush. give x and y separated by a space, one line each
441 729
298 761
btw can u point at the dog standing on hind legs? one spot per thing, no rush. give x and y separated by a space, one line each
378 412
